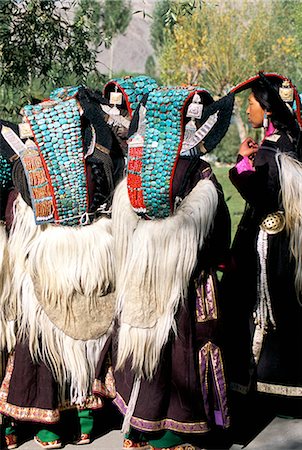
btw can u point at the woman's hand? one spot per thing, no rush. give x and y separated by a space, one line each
248 147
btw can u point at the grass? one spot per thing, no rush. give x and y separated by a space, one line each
233 199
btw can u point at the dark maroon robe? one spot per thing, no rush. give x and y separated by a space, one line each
178 398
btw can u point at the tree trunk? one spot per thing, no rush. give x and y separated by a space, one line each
239 123
111 60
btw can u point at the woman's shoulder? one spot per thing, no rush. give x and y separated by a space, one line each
279 141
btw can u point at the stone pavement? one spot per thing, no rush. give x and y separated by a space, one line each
279 434
110 441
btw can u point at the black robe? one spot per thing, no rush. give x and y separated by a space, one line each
279 369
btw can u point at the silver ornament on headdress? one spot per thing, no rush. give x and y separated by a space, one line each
286 92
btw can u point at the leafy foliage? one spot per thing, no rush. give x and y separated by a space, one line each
40 49
219 44
222 44
116 15
165 16
37 42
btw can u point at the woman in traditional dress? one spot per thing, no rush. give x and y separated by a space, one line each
171 229
61 278
262 289
51 371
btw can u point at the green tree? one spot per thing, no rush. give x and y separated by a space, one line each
40 49
166 15
219 45
158 31
294 28
36 41
116 16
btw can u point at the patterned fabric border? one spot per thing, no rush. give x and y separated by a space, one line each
210 363
134 176
164 424
37 414
57 131
206 304
106 388
39 188
133 89
20 413
91 402
279 389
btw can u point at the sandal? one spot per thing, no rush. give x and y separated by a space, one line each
11 441
52 444
178 447
128 444
83 439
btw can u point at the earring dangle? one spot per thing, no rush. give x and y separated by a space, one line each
265 120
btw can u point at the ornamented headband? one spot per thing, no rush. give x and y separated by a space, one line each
287 91
154 149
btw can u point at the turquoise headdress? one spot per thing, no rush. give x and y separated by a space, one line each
132 90
7 156
155 147
54 162
5 173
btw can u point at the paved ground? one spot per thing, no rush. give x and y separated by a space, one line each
111 441
280 434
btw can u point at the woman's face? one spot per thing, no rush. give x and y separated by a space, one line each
255 112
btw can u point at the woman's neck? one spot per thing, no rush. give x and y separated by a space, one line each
270 130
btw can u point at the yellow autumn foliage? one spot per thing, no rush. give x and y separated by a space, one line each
223 43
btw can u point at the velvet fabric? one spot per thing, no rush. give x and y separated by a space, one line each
173 399
279 370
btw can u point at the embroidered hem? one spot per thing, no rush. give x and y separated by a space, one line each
163 424
279 389
31 414
106 388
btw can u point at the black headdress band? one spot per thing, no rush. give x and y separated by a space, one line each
266 78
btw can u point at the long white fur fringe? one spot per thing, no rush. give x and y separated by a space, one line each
290 171
154 262
7 329
64 260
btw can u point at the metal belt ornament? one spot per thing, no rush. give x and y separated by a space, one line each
273 222
133 89
152 155
56 170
